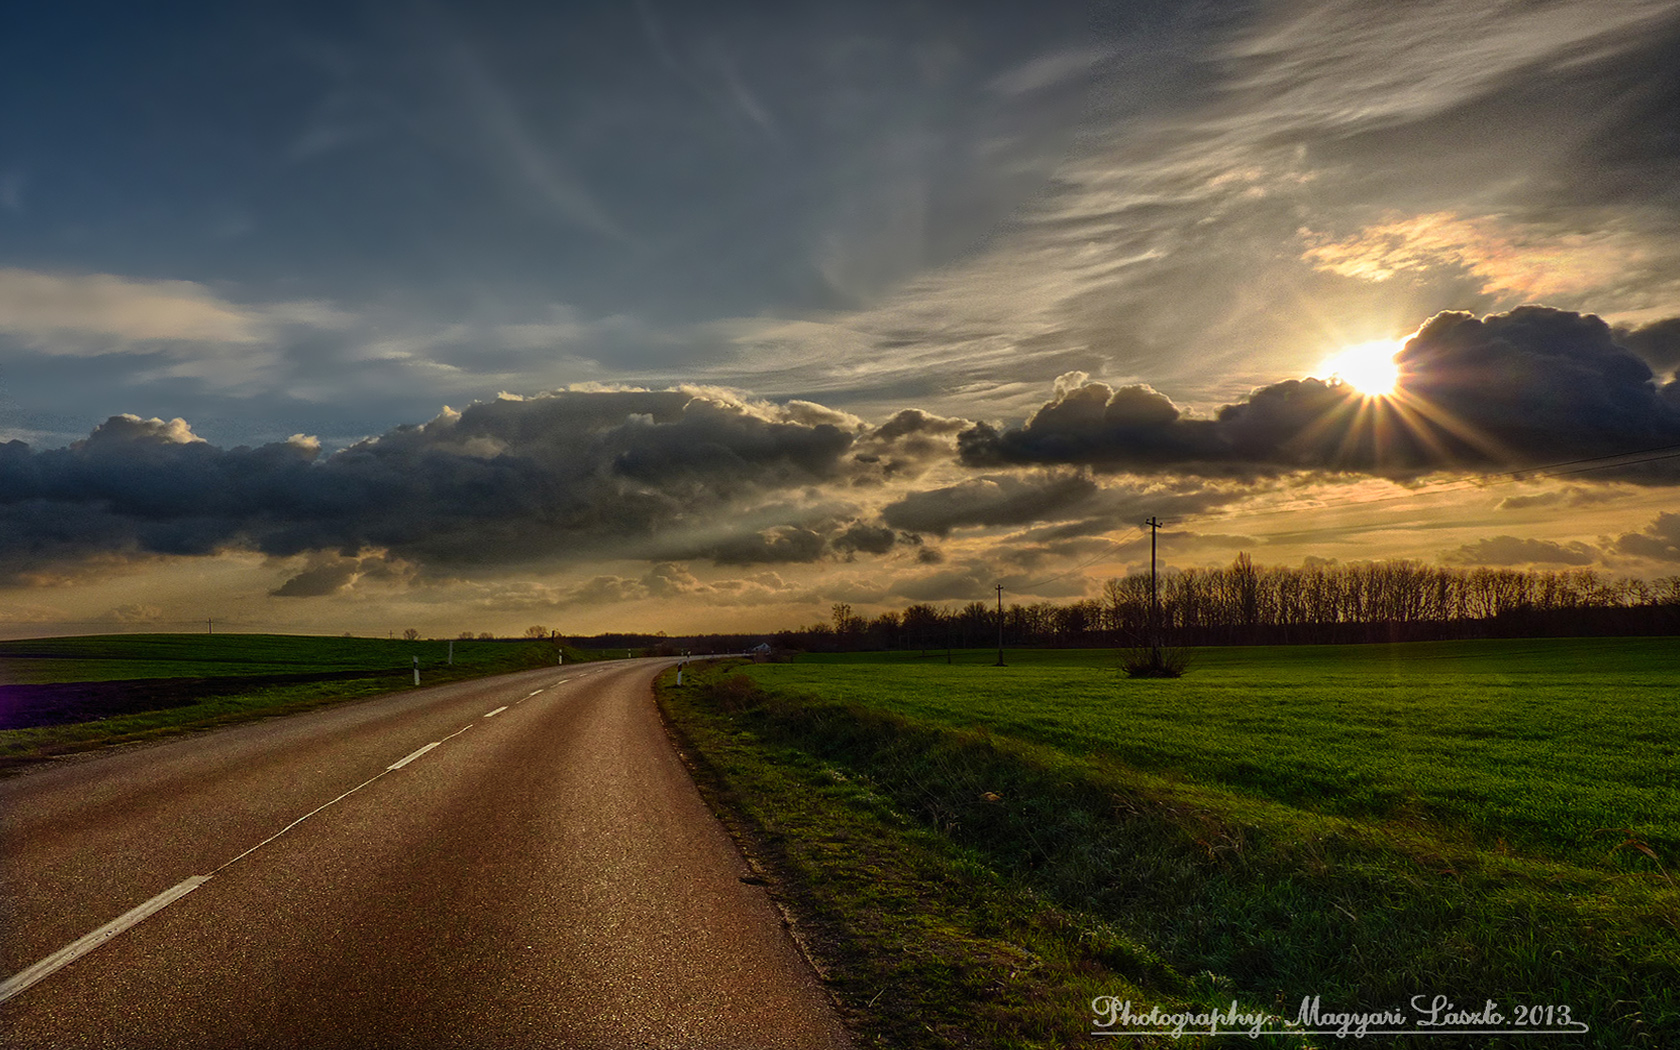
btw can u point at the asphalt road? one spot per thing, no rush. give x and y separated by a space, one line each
546 875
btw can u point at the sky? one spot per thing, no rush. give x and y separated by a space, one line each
637 316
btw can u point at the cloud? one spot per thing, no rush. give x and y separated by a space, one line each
668 580
910 442
1658 342
1572 496
41 306
553 478
870 539
956 584
990 501
1521 388
154 333
1046 71
1538 384
1658 541
135 612
327 573
781 543
1530 263
1509 550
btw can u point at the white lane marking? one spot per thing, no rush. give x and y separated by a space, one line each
497 711
405 760
537 693
71 952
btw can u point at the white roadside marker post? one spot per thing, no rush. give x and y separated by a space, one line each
416 670
451 652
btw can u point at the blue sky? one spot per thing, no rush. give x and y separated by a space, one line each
307 226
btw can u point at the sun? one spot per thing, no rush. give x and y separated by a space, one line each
1367 367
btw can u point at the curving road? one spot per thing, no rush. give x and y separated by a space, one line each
539 872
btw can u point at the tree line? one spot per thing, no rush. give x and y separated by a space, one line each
1245 603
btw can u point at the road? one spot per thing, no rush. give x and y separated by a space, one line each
540 872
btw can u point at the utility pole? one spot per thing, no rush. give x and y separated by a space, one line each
1154 600
210 626
1000 625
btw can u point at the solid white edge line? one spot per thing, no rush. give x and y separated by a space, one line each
409 758
71 952
497 711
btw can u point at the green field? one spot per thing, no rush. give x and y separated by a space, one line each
59 695
113 657
1485 820
1542 744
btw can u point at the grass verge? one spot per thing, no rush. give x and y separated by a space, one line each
923 941
968 888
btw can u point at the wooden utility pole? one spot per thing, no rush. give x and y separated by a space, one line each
1000 625
1154 599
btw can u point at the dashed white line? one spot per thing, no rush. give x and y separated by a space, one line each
405 760
71 952
497 711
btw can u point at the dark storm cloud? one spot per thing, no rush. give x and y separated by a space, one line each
1522 388
1659 541
505 481
1658 343
326 577
1509 550
996 500
909 442
780 544
870 539
1541 384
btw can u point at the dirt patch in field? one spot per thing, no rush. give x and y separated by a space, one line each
64 703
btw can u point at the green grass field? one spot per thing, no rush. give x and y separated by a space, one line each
62 695
1484 820
1543 744
103 658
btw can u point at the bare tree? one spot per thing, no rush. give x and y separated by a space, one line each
411 634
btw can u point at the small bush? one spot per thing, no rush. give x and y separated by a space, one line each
736 693
1156 663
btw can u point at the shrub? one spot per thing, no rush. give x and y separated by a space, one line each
1156 663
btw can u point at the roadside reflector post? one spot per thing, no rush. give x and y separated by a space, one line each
679 674
451 652
416 670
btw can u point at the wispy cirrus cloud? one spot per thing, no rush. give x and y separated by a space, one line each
79 313
1506 258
